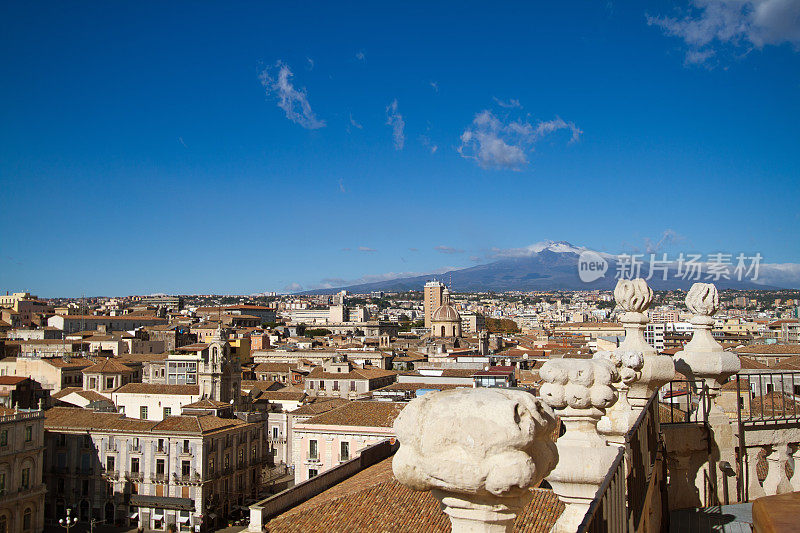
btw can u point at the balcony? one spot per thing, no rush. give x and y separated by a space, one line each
158 478
187 479
134 476
110 474
135 448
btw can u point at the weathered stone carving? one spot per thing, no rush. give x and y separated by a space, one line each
478 451
620 417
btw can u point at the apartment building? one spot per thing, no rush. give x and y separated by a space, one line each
22 492
53 374
185 472
342 379
74 323
335 437
432 299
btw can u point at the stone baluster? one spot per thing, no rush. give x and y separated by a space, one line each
579 390
795 480
777 482
478 451
754 488
635 296
703 358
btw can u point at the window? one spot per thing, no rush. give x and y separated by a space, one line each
344 451
186 468
110 463
167 411
4 437
313 452
28 433
310 385
312 472
274 432
143 412
227 461
26 520
92 383
211 465
352 386
161 445
186 446
335 385
85 487
26 478
109 383
3 483
160 467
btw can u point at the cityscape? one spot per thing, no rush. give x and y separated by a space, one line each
421 268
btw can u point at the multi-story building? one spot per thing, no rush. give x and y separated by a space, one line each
472 323
73 323
53 374
185 472
343 380
21 488
654 335
432 299
339 435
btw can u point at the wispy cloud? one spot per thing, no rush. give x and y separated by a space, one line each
712 24
435 86
395 120
413 249
310 63
354 123
278 83
493 143
668 237
426 142
366 249
360 55
511 103
341 185
180 140
448 250
293 287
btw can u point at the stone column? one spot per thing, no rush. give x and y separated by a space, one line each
754 488
579 390
795 481
478 451
703 358
635 297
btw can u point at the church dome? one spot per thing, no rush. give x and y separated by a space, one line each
445 312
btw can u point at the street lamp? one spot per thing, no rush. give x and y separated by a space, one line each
68 522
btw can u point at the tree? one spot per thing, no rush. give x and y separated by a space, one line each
501 325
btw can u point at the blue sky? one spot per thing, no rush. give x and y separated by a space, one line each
248 147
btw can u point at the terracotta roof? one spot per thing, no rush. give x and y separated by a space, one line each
320 405
770 349
196 347
155 388
373 501
108 366
286 395
75 418
418 386
74 363
362 414
89 395
275 367
206 403
751 364
12 380
791 363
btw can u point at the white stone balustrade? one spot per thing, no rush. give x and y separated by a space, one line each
635 296
580 391
621 416
478 451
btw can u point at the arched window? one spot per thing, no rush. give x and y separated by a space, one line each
26 519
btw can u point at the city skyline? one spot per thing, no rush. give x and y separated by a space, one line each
164 149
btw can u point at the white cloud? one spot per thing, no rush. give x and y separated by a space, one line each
366 249
448 250
341 185
508 104
395 120
360 56
497 144
354 123
310 63
737 23
435 86
668 238
293 101
293 287
180 140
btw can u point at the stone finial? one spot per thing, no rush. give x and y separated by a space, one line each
634 295
703 299
478 451
579 390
